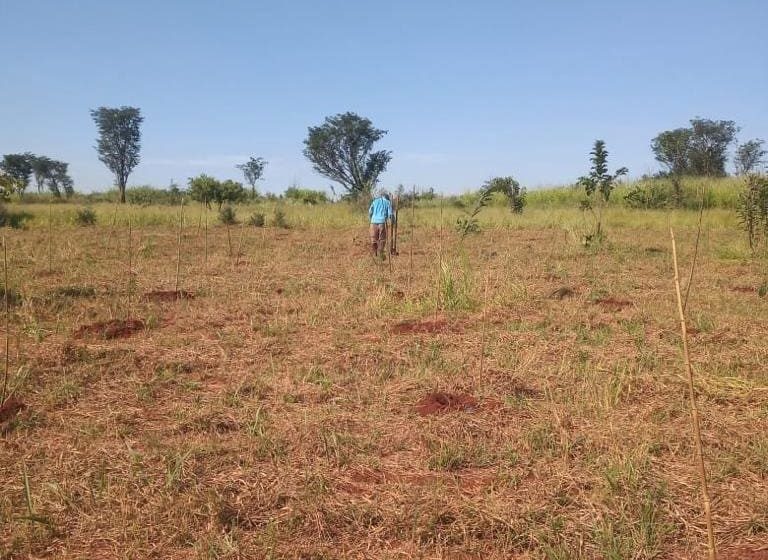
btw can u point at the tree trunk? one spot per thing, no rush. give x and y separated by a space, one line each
121 186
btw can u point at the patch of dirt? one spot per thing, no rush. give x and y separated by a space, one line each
426 326
613 304
744 289
436 403
562 293
745 554
116 328
10 408
167 295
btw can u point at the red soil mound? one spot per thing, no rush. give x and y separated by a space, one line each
427 326
745 554
167 295
435 403
744 289
10 408
115 328
613 304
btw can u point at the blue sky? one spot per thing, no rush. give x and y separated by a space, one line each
467 90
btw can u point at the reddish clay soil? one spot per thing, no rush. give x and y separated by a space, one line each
167 295
436 403
744 289
745 554
115 328
426 326
613 304
10 408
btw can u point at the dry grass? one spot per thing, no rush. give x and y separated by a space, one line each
274 414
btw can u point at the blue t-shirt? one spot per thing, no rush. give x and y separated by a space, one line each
380 210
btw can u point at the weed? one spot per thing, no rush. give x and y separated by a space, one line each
85 217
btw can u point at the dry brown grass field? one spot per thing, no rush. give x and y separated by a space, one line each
512 396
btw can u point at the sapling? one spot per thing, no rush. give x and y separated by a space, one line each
598 185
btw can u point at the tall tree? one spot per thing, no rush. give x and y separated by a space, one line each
749 156
119 141
41 168
709 146
252 170
58 178
341 149
18 167
671 149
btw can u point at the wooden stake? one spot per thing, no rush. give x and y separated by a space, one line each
694 408
413 219
178 246
695 253
130 264
7 321
482 328
50 238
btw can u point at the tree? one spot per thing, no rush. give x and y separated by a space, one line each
509 188
671 149
119 141
41 168
252 170
709 146
598 186
8 185
58 178
749 156
204 188
19 167
340 149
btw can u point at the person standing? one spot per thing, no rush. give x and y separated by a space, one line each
380 211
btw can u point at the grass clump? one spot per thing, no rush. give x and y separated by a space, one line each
227 215
257 219
85 217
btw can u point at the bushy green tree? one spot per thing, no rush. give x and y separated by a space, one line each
119 142
305 196
42 166
252 170
19 167
509 188
58 179
701 149
341 149
749 156
204 188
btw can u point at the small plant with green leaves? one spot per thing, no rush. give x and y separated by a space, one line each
279 219
598 186
753 209
469 224
227 215
257 219
85 217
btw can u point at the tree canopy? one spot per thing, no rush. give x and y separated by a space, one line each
19 168
253 169
119 142
207 189
341 149
749 156
701 149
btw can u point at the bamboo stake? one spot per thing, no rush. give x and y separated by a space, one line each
482 328
130 264
205 262
413 219
50 238
178 246
695 254
694 408
7 321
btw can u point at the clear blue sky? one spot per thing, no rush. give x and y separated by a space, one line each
467 90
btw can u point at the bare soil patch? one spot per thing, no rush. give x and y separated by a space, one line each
116 328
746 554
613 304
438 402
744 289
167 295
10 408
427 326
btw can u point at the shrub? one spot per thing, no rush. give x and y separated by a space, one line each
305 196
278 218
753 209
13 220
227 215
85 217
257 219
466 225
648 195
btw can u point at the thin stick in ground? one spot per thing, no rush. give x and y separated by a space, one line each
413 238
130 266
178 247
695 253
694 408
50 238
7 321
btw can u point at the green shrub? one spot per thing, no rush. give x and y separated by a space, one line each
227 215
648 195
257 219
279 219
13 220
85 217
305 196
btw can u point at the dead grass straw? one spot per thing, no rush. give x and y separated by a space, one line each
7 321
178 246
694 408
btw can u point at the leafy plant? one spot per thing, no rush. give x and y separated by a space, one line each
252 170
85 217
753 209
598 186
227 215
279 219
257 219
119 141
